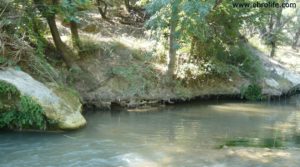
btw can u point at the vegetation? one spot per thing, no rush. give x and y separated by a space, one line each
211 34
8 90
253 92
18 111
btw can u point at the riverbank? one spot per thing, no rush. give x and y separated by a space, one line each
121 65
127 71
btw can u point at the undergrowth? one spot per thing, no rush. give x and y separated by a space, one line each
141 78
24 113
253 92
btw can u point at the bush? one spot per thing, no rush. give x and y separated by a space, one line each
253 92
8 89
25 114
248 64
19 112
223 61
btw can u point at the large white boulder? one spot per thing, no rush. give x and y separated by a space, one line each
59 104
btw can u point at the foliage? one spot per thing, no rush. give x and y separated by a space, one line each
22 40
253 92
8 89
70 9
248 64
191 17
212 31
18 111
25 114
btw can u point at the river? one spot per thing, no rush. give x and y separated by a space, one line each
212 134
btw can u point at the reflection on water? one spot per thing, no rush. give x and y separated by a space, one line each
261 134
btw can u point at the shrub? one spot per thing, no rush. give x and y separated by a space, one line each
253 92
19 112
25 114
8 89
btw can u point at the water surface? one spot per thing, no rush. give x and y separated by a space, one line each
186 135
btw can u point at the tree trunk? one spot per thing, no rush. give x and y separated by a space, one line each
60 46
271 23
296 39
273 49
74 29
263 31
102 11
172 40
172 51
75 35
192 49
275 32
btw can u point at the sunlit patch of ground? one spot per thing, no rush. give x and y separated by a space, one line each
285 56
288 57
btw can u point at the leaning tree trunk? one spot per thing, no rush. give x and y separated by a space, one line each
59 44
172 40
75 36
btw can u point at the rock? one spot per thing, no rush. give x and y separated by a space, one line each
293 77
59 104
281 81
272 83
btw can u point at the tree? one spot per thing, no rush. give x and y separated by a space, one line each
69 9
275 30
178 18
49 11
296 39
172 39
296 28
102 8
210 30
274 25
